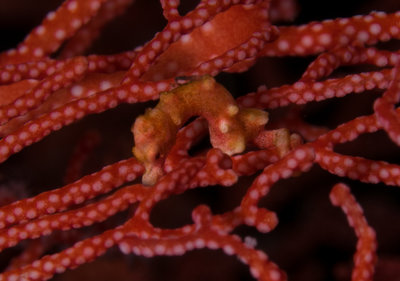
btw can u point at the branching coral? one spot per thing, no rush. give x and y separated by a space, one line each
48 82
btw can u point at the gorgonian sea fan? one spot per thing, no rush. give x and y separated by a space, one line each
54 85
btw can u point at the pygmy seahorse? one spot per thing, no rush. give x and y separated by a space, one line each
230 127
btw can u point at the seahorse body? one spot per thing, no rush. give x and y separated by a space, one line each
230 127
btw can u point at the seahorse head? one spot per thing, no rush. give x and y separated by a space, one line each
154 133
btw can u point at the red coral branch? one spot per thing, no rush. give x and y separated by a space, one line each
365 256
47 83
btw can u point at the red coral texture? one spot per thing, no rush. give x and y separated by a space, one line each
258 112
